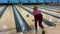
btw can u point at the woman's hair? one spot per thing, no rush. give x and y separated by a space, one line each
35 8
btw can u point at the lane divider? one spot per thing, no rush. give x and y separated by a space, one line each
21 24
2 11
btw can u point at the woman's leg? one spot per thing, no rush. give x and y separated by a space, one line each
40 21
36 18
40 24
35 24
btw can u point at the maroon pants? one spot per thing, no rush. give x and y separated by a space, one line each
38 19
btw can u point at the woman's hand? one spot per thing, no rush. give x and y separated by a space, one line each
33 20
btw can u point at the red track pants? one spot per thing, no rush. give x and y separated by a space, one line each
38 18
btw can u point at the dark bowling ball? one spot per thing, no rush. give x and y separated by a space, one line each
27 15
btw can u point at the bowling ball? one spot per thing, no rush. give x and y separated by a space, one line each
27 15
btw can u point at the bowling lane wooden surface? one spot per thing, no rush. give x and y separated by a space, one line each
49 30
50 12
56 10
52 7
7 22
50 18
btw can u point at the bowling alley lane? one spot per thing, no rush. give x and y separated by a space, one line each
50 12
48 17
7 22
50 6
51 9
48 30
